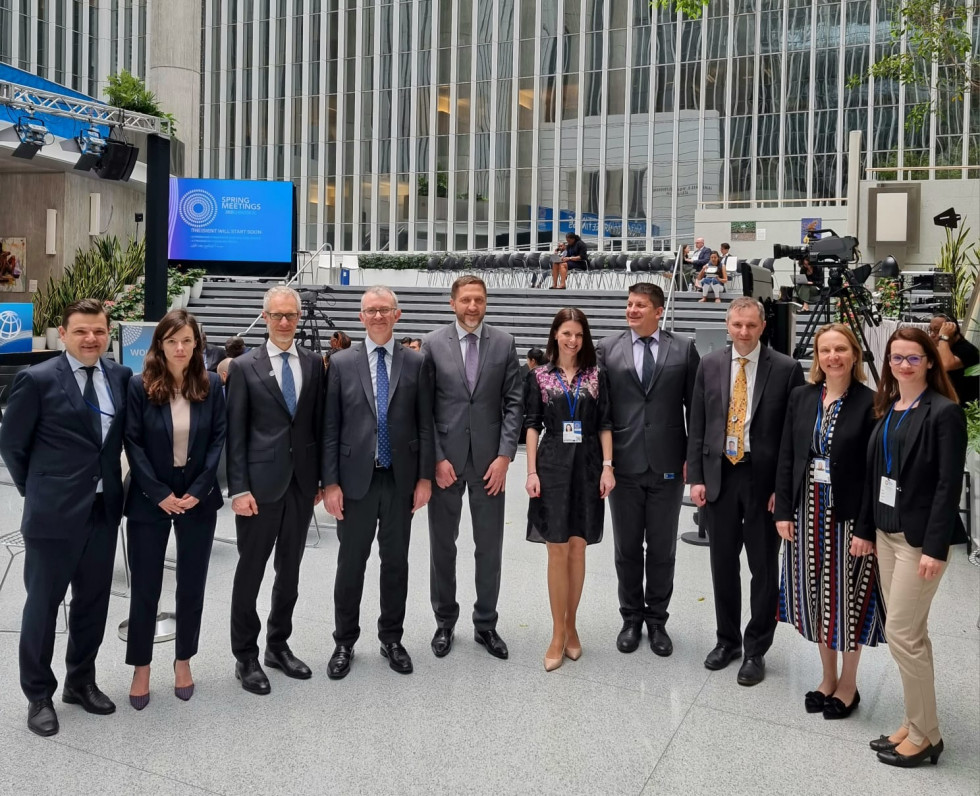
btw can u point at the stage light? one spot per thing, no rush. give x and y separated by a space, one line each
888 268
92 145
33 135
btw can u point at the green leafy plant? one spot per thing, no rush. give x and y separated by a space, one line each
889 293
129 92
962 260
972 411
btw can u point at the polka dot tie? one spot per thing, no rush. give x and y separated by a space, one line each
384 441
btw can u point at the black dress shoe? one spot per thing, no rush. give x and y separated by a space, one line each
752 671
90 698
629 637
660 642
721 656
289 664
834 708
41 718
814 701
442 641
339 664
883 744
252 677
398 658
893 758
494 643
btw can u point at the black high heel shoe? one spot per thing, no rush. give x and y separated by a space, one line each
833 708
185 692
883 744
893 758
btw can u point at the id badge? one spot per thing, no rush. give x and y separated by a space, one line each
572 431
821 471
888 491
731 446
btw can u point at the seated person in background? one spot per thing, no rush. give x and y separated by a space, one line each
575 254
813 274
234 347
712 278
416 344
534 358
697 257
957 354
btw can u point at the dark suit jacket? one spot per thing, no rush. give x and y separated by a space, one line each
699 260
149 445
266 446
649 428
847 450
930 477
51 450
213 354
351 437
776 376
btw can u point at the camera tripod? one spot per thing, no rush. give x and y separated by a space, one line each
853 304
308 332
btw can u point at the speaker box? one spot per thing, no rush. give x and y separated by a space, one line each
117 161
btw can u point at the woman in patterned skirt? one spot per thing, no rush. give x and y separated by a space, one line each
570 473
829 586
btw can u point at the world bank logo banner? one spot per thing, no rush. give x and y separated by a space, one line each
134 341
16 327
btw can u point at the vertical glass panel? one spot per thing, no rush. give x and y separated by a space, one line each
617 92
570 97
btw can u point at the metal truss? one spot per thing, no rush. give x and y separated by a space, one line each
33 99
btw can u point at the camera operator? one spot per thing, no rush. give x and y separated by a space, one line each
957 354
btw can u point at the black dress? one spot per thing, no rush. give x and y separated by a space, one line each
569 472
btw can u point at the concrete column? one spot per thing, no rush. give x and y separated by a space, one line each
173 67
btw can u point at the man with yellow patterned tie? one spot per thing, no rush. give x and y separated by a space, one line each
736 421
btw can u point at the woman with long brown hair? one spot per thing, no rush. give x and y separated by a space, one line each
914 475
175 430
570 473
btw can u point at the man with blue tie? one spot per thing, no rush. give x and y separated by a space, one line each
275 416
378 465
61 439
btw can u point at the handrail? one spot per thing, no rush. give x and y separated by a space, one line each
721 204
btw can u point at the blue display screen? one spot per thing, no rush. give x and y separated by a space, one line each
230 221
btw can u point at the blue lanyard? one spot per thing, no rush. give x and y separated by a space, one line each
578 386
818 440
884 436
108 391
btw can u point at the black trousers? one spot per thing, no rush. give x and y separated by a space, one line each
646 508
385 510
281 525
740 517
487 516
147 551
85 561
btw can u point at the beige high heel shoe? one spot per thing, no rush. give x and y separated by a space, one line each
550 664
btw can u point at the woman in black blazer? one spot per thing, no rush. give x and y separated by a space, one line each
829 584
915 471
175 430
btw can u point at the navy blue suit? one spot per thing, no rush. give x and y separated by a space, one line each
56 461
149 448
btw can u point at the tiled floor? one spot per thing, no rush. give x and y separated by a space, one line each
468 723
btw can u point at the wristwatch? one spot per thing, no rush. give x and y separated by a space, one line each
607 463
944 337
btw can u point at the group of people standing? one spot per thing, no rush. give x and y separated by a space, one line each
862 488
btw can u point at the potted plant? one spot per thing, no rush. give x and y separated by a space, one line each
197 286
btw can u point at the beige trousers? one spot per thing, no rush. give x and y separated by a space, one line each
908 598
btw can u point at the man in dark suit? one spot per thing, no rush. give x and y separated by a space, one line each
378 463
740 400
275 421
478 418
699 256
651 376
61 439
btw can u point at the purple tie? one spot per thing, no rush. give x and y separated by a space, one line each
472 360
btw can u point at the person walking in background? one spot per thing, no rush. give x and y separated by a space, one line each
829 588
570 473
915 463
175 431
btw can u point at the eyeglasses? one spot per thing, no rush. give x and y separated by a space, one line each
278 316
373 312
913 359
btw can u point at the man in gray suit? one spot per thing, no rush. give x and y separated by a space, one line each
478 416
740 401
651 379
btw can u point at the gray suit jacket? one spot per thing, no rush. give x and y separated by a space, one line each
488 420
776 376
649 429
351 422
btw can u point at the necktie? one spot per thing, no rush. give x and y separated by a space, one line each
288 384
91 399
737 407
648 363
472 360
384 442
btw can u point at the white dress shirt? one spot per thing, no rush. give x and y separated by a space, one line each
106 407
372 355
638 351
275 356
461 333
751 369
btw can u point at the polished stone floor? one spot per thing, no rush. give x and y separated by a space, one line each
607 724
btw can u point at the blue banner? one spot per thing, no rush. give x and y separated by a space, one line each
134 341
588 227
16 327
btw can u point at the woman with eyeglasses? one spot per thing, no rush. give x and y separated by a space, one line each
915 470
175 430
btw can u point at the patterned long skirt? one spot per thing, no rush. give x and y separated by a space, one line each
828 595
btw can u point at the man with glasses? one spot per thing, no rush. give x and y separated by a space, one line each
275 414
378 464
